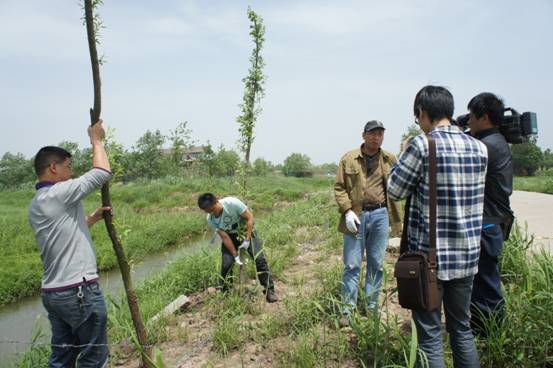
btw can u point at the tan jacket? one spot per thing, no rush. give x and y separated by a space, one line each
350 183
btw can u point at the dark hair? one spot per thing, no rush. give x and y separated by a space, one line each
46 155
205 200
487 103
436 101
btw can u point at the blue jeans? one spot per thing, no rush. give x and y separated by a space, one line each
77 322
455 295
371 237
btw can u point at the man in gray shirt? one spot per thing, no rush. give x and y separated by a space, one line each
70 290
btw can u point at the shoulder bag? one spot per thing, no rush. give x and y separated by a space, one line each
415 271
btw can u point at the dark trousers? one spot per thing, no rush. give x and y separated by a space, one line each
455 296
487 300
256 252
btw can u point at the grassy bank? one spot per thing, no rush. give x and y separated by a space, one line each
150 217
304 251
197 271
540 184
304 331
526 337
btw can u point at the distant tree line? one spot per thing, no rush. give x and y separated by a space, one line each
155 155
528 158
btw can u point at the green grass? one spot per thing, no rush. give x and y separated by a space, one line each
150 216
308 322
525 339
541 184
198 270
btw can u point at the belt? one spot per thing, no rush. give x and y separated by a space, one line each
374 207
72 286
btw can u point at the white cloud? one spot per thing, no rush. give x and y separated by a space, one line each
206 21
37 33
166 26
342 18
330 66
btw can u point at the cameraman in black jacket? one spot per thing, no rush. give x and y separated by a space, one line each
486 114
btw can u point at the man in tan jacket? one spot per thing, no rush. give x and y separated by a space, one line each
367 214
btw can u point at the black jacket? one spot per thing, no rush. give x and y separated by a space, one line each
499 177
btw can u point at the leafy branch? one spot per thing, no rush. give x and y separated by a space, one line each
253 92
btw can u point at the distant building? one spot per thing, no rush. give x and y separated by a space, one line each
195 153
192 154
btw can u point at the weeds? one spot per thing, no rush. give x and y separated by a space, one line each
38 353
525 338
308 319
377 339
155 215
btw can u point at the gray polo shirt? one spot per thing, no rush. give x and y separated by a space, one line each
57 217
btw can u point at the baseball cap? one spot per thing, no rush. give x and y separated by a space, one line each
374 124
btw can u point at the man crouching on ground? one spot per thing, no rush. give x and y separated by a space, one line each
70 290
225 216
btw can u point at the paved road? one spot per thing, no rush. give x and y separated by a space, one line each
536 209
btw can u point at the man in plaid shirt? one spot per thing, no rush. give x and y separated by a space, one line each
461 171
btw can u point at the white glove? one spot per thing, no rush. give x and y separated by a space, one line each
352 221
237 260
245 245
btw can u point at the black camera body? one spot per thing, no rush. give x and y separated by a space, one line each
515 127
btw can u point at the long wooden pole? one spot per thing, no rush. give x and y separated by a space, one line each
106 201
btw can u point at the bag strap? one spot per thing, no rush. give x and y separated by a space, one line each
403 247
433 194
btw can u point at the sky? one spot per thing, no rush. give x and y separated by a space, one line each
330 67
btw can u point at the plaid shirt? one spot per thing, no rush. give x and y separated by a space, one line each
461 173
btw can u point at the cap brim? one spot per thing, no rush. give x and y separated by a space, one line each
368 130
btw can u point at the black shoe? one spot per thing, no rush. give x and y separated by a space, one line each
271 296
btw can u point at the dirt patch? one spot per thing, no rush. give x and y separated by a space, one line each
190 340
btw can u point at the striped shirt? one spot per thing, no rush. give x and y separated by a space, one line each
461 173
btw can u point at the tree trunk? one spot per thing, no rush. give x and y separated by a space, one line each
106 201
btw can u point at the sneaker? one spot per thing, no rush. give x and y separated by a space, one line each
271 296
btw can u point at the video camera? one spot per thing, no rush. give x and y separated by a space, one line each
515 127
